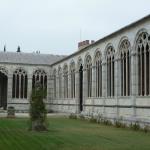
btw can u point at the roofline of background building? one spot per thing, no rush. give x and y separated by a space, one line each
104 38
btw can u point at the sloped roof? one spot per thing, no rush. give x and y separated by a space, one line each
28 58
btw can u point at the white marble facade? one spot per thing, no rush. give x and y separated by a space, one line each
110 77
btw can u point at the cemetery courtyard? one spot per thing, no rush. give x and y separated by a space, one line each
69 134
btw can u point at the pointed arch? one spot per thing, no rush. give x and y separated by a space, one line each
40 75
20 82
124 55
98 69
88 66
72 72
65 72
110 57
142 48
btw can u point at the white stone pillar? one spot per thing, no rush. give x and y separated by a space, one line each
116 76
63 90
84 87
134 73
29 88
57 87
93 81
145 73
104 78
51 88
141 72
112 77
123 78
77 92
127 74
9 88
48 88
116 82
69 85
149 70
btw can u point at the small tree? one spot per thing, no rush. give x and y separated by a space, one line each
38 111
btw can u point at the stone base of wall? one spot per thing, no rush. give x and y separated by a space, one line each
129 109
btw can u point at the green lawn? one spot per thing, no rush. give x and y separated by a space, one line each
67 134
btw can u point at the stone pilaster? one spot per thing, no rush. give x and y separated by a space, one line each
77 92
57 87
63 90
51 88
48 88
84 86
69 85
104 78
116 76
134 74
29 87
94 81
9 88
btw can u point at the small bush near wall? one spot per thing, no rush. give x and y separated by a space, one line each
93 119
116 122
72 116
82 117
135 126
146 128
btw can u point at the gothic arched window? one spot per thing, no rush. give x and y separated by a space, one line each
72 71
110 71
143 50
89 75
20 83
65 81
125 67
40 75
98 65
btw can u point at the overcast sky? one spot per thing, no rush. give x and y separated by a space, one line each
54 26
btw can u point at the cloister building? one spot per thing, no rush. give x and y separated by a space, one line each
109 77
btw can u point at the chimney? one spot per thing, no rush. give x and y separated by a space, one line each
84 44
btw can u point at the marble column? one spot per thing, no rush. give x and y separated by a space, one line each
104 78
93 81
134 79
104 83
116 83
63 90
51 88
69 86
48 88
134 74
145 73
9 88
84 87
116 77
57 87
29 89
77 92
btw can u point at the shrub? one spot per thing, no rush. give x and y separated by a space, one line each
106 122
38 111
135 126
146 128
93 119
72 116
81 116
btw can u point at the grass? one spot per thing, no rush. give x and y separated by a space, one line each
69 134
